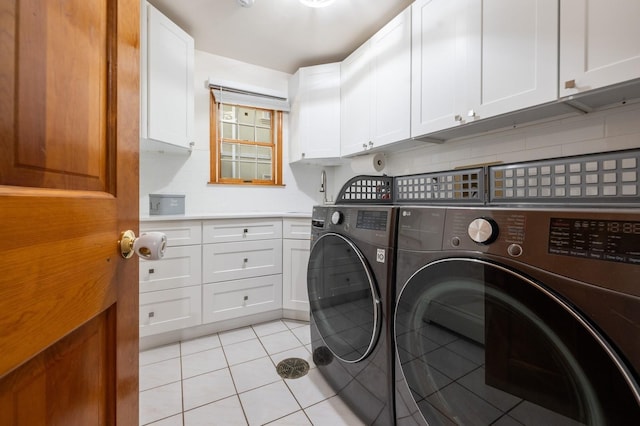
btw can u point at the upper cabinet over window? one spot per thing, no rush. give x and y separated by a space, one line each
473 60
376 89
167 100
599 44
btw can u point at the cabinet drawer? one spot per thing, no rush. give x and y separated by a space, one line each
167 310
232 261
298 229
224 231
179 233
222 301
180 267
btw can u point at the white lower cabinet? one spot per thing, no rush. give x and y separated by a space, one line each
296 246
223 270
241 268
168 310
294 275
170 288
233 299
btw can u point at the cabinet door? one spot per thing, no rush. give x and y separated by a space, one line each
166 310
518 57
391 81
443 34
599 43
232 261
295 259
315 113
355 101
168 107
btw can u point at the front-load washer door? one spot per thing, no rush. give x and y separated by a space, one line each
478 343
343 297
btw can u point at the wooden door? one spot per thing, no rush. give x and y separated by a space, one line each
69 108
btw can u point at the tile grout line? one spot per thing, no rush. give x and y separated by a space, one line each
233 380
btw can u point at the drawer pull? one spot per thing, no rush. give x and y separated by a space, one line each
246 298
151 314
246 260
245 232
151 271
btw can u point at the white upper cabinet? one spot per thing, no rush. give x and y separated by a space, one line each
376 89
599 44
391 81
473 60
167 99
314 119
355 102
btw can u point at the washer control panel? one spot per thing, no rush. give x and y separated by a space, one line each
483 230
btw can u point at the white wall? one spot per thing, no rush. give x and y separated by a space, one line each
608 130
182 174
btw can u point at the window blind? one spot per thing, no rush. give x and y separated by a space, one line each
236 94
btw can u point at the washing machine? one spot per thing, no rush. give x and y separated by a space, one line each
350 276
523 312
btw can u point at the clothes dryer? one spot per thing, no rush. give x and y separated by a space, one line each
517 316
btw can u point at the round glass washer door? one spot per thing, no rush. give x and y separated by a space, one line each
478 342
343 297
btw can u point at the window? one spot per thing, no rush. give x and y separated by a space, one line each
246 144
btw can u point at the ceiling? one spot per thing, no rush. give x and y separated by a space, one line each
280 34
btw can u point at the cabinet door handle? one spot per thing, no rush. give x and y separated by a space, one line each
471 113
570 84
458 118
151 271
245 232
151 314
364 146
370 144
246 298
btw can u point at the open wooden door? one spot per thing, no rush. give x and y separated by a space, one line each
69 112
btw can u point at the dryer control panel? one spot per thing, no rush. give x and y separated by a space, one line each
612 240
371 224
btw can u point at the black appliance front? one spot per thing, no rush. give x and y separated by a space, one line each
349 282
517 317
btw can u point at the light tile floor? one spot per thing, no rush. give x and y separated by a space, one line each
230 378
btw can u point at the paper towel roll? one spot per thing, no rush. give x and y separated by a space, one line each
368 164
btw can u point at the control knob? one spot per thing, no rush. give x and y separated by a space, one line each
336 218
483 230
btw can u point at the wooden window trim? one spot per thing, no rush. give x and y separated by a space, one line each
214 144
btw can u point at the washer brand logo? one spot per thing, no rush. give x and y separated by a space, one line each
380 255
406 213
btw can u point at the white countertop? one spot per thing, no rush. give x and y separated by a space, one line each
244 215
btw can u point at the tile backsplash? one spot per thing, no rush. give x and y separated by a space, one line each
612 129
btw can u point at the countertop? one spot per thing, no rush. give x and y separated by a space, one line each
244 215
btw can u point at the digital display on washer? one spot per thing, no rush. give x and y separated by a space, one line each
612 240
374 220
